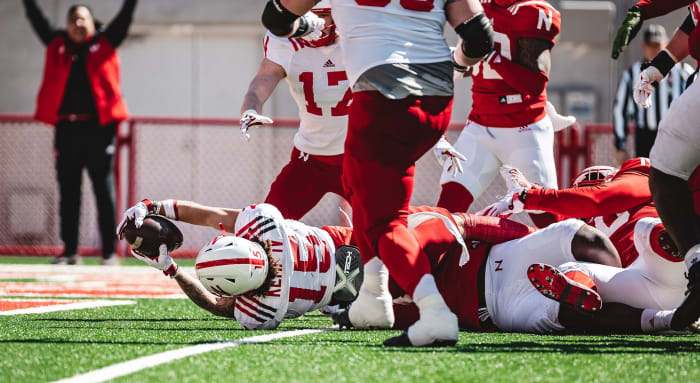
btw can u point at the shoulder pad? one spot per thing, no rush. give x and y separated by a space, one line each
536 19
639 165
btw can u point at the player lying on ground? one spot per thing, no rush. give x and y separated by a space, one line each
267 270
674 178
315 73
494 291
508 122
618 203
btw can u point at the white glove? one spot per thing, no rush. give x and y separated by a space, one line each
251 118
316 26
514 178
559 122
446 153
509 204
644 86
163 262
137 212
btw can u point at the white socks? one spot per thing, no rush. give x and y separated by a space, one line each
656 320
376 278
426 286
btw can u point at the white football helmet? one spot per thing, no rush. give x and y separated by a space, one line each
230 266
593 175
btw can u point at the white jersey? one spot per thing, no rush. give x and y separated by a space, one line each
319 85
307 278
408 33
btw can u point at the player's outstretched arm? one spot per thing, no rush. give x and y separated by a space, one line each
219 306
474 29
259 91
181 210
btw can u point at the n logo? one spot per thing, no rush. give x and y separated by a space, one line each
544 19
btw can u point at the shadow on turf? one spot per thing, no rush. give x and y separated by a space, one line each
656 345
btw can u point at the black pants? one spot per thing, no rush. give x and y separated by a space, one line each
643 141
85 144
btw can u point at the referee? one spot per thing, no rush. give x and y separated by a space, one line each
645 121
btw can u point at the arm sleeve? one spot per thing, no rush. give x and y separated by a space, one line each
41 25
624 192
117 29
518 77
493 230
688 25
655 8
620 115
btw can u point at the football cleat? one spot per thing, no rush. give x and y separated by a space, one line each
342 319
553 284
689 311
437 326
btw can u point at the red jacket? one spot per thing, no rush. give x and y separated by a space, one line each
102 70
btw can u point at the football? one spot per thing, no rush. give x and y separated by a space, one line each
154 231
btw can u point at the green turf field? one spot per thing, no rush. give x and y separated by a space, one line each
45 347
126 261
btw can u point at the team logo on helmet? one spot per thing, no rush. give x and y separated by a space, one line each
230 266
593 175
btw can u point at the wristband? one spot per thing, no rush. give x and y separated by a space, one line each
664 62
170 208
172 270
457 66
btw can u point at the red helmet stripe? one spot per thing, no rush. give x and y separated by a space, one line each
235 261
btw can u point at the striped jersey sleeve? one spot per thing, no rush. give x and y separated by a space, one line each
253 314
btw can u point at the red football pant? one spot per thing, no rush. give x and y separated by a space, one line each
385 139
301 184
694 184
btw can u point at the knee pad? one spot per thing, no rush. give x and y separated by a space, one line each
477 36
694 185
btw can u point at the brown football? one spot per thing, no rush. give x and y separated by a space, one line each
155 230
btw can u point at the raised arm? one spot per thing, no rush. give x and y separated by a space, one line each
117 30
41 25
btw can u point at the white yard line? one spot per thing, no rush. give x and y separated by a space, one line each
131 366
64 307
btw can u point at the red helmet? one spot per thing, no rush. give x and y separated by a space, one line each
323 8
593 176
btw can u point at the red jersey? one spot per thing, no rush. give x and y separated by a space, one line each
497 100
613 207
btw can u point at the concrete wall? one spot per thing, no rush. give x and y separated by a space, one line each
195 58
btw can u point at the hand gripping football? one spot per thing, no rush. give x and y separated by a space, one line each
155 230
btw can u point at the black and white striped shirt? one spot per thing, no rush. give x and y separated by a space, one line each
626 111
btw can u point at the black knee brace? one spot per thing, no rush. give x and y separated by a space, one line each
477 36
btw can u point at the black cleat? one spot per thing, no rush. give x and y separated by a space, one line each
342 318
403 341
689 311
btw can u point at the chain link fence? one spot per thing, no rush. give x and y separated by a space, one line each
203 160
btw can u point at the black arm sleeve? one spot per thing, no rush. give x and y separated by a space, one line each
41 25
117 29
688 25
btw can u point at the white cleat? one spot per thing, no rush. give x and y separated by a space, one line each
371 311
437 326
